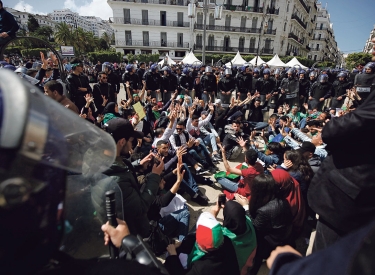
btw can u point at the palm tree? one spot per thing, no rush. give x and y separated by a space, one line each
106 38
63 34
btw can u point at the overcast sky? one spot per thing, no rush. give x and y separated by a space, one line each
352 20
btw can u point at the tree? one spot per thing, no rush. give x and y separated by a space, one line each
44 32
32 23
103 44
63 34
107 39
354 59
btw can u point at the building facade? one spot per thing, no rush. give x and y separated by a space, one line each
22 18
369 47
323 43
267 27
88 23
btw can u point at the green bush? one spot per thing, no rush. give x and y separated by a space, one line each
105 56
143 57
14 49
34 52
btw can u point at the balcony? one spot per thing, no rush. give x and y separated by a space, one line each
271 32
305 6
141 43
244 8
299 20
321 28
308 48
163 2
317 38
296 38
267 51
227 28
272 10
150 22
199 47
315 49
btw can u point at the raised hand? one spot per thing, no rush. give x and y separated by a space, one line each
241 141
158 169
105 100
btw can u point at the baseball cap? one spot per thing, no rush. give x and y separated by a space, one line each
217 101
122 128
307 147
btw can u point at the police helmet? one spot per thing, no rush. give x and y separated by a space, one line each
323 78
371 66
167 69
208 69
228 71
129 68
22 70
186 71
256 71
266 71
154 67
312 74
342 74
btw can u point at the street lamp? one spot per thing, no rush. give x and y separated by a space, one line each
191 14
260 35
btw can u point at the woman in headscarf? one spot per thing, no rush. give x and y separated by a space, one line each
110 111
187 101
213 253
238 227
288 188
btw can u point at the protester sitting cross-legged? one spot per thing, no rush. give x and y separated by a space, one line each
273 154
183 138
230 142
243 186
169 208
189 184
213 252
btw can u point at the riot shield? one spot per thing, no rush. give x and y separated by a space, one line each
85 212
291 89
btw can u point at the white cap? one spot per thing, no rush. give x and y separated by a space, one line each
218 101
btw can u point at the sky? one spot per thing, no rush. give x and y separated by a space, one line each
352 20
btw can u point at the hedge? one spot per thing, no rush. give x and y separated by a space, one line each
143 58
105 56
14 49
34 52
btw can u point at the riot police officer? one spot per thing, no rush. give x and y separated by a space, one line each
244 82
131 77
256 76
226 86
304 87
319 91
265 85
339 90
168 83
365 83
209 85
153 82
289 88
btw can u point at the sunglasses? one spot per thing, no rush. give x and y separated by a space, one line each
104 77
179 129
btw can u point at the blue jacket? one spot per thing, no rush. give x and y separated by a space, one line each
7 23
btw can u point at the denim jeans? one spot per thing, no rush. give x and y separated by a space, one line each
227 184
302 123
211 140
201 148
176 223
205 97
188 184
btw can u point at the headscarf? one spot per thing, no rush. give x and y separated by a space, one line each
234 217
109 108
289 189
186 105
88 117
238 227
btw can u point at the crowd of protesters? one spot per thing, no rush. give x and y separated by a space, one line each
194 117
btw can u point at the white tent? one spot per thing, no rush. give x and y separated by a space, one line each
276 62
168 59
260 61
237 60
295 62
190 59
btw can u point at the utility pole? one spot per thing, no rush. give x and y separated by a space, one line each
205 8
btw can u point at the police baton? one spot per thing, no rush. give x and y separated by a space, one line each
110 207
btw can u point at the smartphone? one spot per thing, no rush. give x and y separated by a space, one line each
222 199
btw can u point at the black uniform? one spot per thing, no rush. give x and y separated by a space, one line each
339 90
103 89
209 84
168 84
244 84
319 90
133 80
226 84
73 82
114 80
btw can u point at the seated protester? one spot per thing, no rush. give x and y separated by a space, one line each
298 167
280 111
200 107
103 92
314 115
288 188
307 150
110 111
165 134
213 253
256 109
154 109
87 113
238 227
209 130
170 159
183 138
221 115
169 209
273 154
193 126
296 116
273 130
248 174
271 217
316 140
55 90
230 142
145 127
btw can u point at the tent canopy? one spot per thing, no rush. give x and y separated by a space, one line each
190 59
276 62
237 60
295 62
168 59
260 61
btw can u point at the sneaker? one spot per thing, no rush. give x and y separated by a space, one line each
200 171
215 160
213 169
203 195
217 156
207 181
200 200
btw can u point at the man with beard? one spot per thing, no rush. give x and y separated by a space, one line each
113 79
103 93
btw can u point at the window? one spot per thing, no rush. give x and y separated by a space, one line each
287 8
315 56
317 47
267 43
211 22
243 23
128 38
146 41
226 43
199 40
163 39
211 42
252 43
284 26
180 40
163 18
254 23
126 16
227 22
241 44
180 19
144 17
